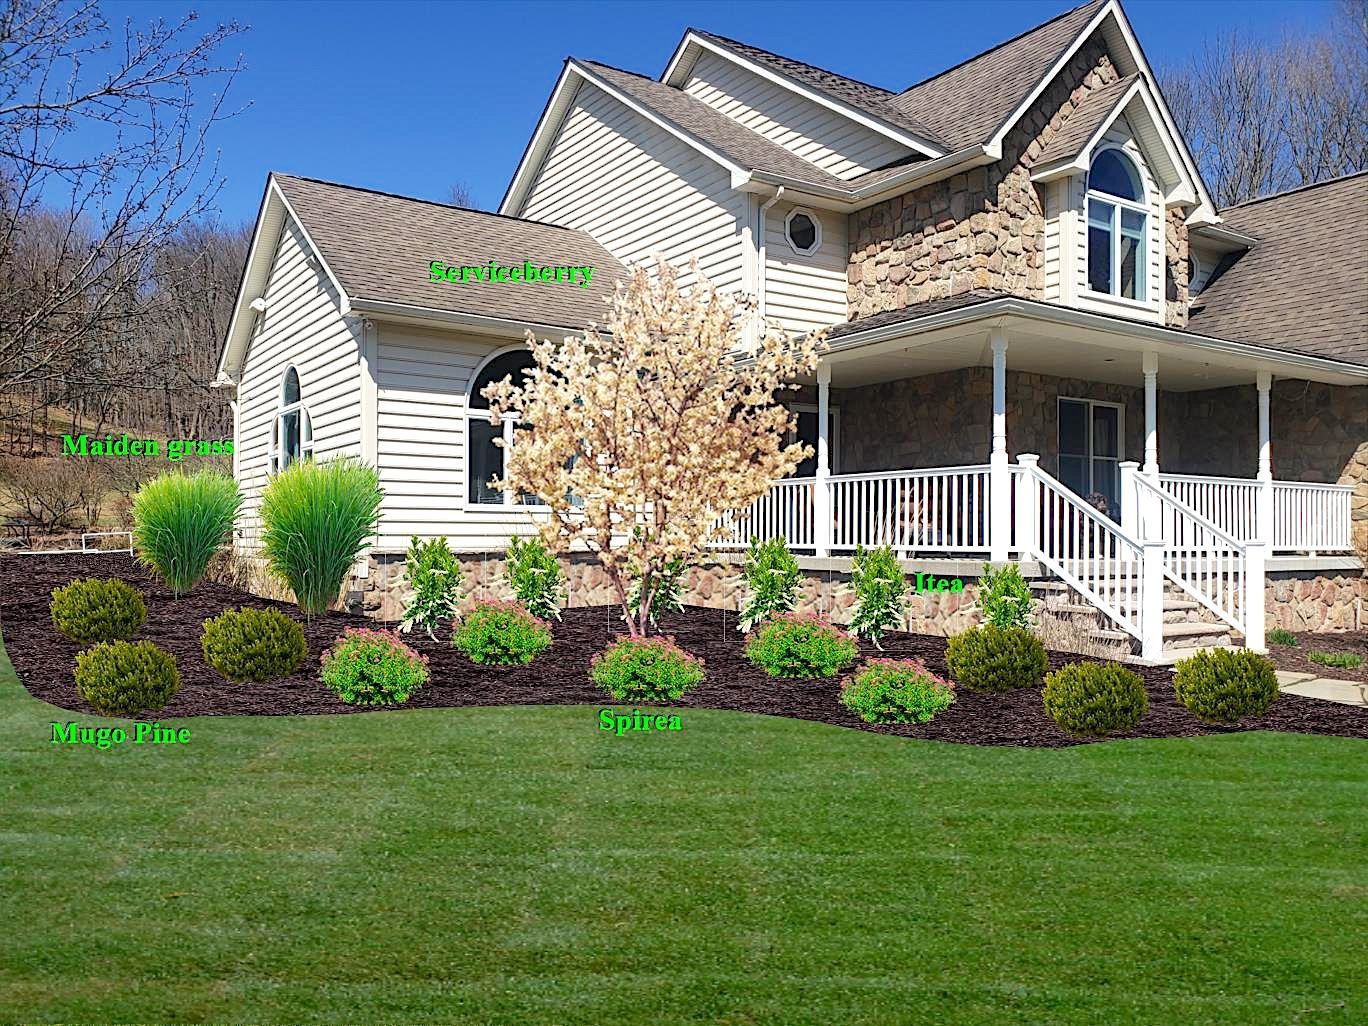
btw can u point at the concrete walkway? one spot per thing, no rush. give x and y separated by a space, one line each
1308 685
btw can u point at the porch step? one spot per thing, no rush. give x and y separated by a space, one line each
1174 608
1181 634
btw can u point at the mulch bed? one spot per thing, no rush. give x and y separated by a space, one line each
1294 659
44 661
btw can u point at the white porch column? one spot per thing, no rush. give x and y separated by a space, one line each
1264 511
821 496
999 473
1027 506
1151 369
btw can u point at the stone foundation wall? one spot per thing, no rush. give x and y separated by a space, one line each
1304 601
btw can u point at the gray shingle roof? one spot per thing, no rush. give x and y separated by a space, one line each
380 245
1086 118
1304 287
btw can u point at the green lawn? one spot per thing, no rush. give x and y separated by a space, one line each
516 866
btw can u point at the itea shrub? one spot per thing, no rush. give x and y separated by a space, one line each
646 670
1223 685
880 593
97 609
123 678
253 644
792 645
896 691
502 634
373 667
989 658
1095 699
772 578
432 570
536 577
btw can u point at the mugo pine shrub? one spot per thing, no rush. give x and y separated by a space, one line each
434 573
254 645
772 577
896 691
97 609
790 645
1095 699
180 520
536 577
1223 685
1004 597
646 670
373 667
880 593
122 678
502 634
989 658
316 521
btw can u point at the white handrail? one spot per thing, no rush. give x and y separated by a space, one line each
1232 504
1311 517
937 509
785 511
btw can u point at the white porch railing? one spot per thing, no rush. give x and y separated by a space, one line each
1231 503
786 511
941 509
1311 517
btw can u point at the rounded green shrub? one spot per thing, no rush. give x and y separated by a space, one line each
896 691
97 609
373 667
1095 699
501 634
1223 685
122 678
253 644
989 658
646 670
793 645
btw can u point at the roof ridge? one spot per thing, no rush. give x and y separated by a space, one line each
614 67
1295 189
795 60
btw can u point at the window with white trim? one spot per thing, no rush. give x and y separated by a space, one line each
292 430
803 231
1118 219
485 459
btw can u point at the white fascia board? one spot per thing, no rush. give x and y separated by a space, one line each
860 117
383 309
1224 238
322 262
547 126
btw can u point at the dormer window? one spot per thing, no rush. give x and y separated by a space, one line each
803 231
1117 225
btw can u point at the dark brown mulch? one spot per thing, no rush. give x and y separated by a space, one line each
44 660
1294 659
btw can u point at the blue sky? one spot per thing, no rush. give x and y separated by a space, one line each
410 97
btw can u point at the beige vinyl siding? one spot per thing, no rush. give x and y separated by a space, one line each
1204 262
805 292
816 133
638 190
1056 200
422 380
302 326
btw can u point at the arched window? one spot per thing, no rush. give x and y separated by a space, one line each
484 459
292 433
1118 217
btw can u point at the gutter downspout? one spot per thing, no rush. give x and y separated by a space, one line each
760 272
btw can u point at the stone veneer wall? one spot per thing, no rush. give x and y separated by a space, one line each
983 228
1177 268
1303 601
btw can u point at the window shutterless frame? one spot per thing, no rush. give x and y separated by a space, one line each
291 428
1123 221
1091 461
481 454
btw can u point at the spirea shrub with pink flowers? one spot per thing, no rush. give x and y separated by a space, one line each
373 667
646 670
801 645
896 691
501 634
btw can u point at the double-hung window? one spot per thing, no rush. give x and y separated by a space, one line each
1117 226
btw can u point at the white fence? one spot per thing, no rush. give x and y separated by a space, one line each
1311 517
786 511
1231 503
942 509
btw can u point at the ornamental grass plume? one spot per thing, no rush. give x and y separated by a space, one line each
180 520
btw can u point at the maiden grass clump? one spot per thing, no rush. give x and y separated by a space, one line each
317 519
180 520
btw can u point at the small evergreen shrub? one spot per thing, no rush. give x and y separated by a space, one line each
1004 597
896 691
432 570
97 609
646 670
254 645
792 645
880 593
772 577
1095 699
1278 636
1338 660
180 520
989 658
373 667
1223 685
668 596
501 634
536 577
123 678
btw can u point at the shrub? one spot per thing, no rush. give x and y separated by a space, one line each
97 609
668 596
645 670
434 573
772 577
791 645
253 644
180 520
501 633
1004 597
989 658
896 691
316 521
1222 685
880 593
1339 660
373 667
122 678
1095 699
1278 636
536 577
